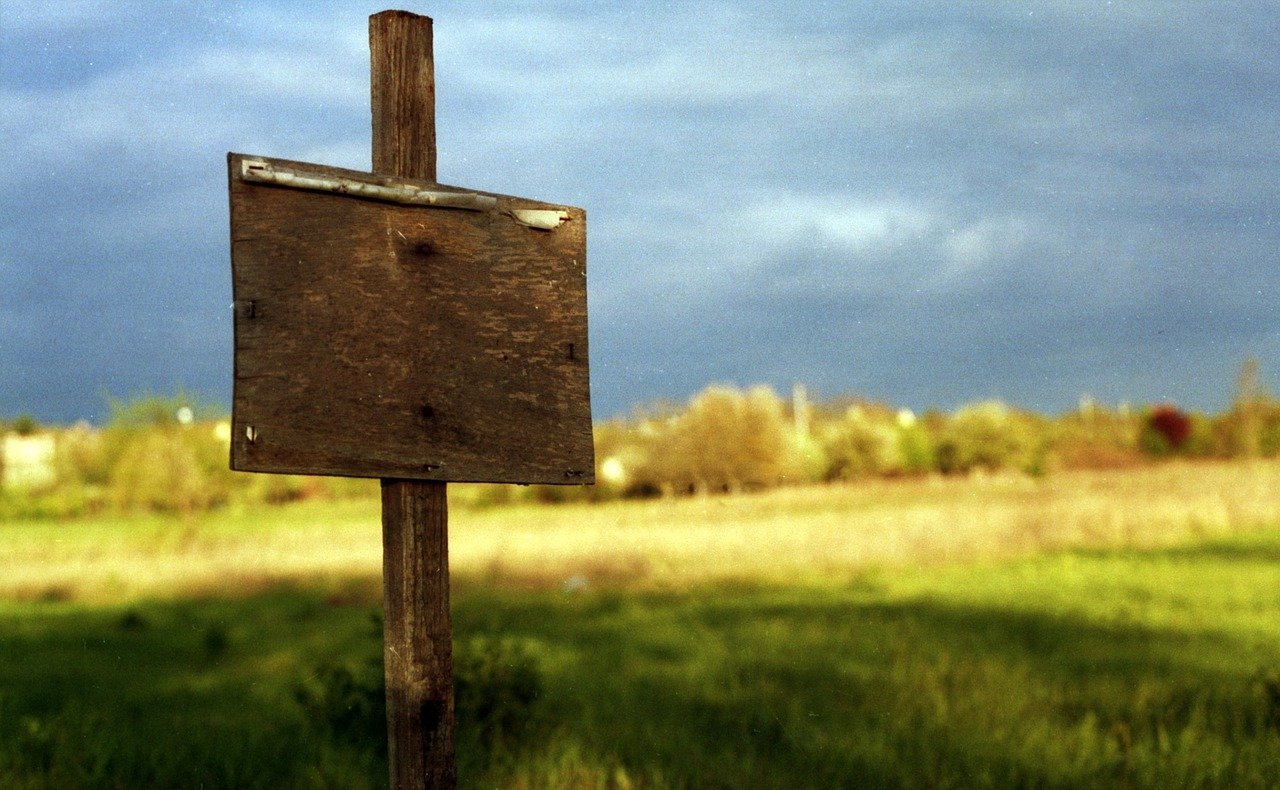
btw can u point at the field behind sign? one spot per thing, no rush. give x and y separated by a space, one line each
1105 627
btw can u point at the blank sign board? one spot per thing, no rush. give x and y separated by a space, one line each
399 329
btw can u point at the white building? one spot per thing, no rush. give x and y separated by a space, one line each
27 462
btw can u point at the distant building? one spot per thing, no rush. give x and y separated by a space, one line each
27 462
800 410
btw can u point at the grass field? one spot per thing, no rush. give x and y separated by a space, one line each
1117 628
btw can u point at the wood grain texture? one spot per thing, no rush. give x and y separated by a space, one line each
417 634
403 92
418 627
381 340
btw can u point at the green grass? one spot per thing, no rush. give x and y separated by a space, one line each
178 694
1156 668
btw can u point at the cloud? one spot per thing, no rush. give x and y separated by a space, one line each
920 202
150 106
833 221
987 241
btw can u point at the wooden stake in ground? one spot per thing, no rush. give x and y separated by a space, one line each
417 628
388 326
417 633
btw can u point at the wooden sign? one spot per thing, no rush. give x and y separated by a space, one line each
394 328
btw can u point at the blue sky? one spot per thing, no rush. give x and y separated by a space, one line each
924 203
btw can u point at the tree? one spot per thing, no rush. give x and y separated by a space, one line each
864 442
1165 430
1247 426
991 436
724 440
25 425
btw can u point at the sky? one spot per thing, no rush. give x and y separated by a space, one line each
926 204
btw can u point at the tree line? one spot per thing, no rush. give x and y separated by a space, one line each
169 453
726 439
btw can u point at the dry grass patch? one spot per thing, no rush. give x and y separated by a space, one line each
780 535
789 534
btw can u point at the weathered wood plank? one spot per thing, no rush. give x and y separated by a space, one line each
382 340
417 634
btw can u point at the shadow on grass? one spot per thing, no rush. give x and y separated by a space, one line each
1262 548
172 693
1229 551
786 688
714 687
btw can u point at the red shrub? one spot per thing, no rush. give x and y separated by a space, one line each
1171 423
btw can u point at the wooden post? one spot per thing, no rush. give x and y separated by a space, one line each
418 630
388 326
417 634
403 77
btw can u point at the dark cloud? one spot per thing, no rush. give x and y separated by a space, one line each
926 205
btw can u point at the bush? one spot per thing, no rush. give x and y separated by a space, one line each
1097 438
1168 431
1165 430
863 443
725 440
347 701
498 688
497 685
161 453
1251 427
1242 430
162 470
919 454
1269 438
25 425
991 436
